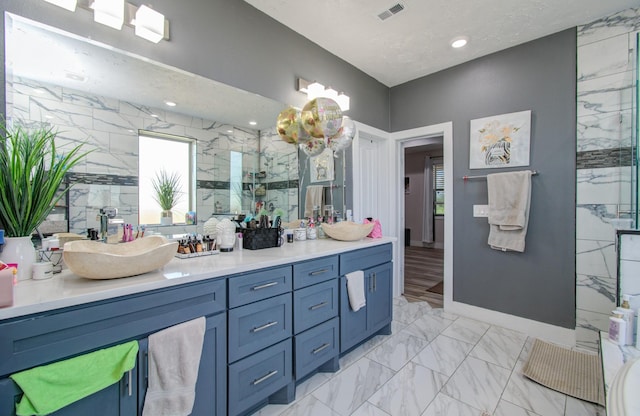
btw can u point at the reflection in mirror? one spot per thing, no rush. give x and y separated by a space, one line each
94 94
322 185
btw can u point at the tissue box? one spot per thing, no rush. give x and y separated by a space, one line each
260 238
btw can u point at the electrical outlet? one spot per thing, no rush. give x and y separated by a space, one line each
481 210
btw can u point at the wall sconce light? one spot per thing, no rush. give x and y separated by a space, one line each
147 23
109 12
65 4
315 89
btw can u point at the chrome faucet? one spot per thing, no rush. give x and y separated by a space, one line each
106 217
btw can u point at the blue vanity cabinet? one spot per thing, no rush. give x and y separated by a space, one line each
315 309
43 338
376 316
260 327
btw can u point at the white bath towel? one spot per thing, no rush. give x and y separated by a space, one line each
509 201
174 358
355 290
314 198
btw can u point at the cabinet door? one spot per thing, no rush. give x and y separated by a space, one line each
379 302
211 392
353 325
115 400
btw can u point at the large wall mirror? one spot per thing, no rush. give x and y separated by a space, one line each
94 94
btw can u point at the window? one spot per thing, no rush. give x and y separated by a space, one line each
438 187
174 154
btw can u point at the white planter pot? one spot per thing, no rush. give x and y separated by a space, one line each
166 218
19 250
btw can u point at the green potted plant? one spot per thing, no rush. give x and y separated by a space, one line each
168 192
32 173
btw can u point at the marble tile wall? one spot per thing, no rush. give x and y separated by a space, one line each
108 175
605 96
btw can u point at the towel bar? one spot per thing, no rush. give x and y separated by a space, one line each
533 173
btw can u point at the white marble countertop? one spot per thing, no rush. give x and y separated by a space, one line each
613 358
67 289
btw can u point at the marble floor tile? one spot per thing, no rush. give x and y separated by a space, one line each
309 406
443 355
478 384
398 350
444 405
467 330
532 396
428 326
509 409
500 346
442 314
361 350
409 391
312 383
350 388
409 312
580 407
367 409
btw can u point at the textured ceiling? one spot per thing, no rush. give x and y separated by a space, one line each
415 42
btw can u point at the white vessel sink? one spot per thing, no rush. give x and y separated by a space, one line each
623 393
97 260
347 230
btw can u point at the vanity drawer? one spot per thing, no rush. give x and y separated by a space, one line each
314 271
255 286
365 258
257 377
315 304
316 346
257 325
50 336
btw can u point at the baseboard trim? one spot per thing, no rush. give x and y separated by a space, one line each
414 243
548 332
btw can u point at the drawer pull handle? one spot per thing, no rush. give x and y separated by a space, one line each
321 347
264 377
317 272
264 286
375 282
318 306
265 326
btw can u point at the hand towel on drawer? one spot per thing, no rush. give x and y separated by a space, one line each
355 290
51 387
174 359
509 197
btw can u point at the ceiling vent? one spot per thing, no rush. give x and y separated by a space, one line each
395 9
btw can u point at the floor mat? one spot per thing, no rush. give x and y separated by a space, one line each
574 373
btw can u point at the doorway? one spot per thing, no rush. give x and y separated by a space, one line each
424 221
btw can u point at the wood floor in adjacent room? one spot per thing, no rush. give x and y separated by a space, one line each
423 270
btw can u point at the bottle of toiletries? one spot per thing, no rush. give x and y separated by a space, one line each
629 317
617 329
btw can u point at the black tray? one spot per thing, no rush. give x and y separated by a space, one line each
260 238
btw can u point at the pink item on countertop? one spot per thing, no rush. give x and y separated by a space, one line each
7 282
377 228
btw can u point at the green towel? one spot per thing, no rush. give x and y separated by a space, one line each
51 387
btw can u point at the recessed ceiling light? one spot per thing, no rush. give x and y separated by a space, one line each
170 103
154 115
459 42
48 116
253 123
229 131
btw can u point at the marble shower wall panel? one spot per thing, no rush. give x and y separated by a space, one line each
604 123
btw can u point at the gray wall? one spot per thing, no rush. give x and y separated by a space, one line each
540 76
233 43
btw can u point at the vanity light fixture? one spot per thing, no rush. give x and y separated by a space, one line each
149 24
109 13
65 4
146 22
315 89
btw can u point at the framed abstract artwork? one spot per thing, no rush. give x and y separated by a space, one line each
500 141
